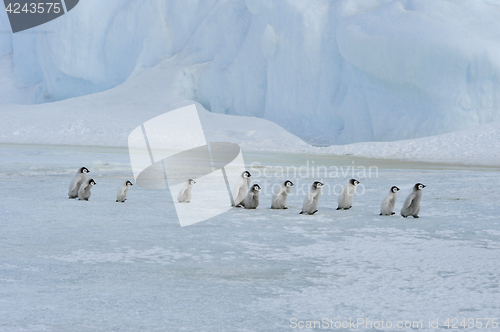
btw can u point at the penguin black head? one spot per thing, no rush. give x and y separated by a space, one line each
288 183
354 182
317 185
128 184
84 170
191 181
92 182
419 186
394 189
255 187
246 174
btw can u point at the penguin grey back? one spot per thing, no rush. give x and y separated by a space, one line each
280 195
311 201
186 192
411 206
347 194
79 178
84 192
121 196
252 199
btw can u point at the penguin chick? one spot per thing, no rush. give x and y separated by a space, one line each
345 197
80 177
387 208
121 196
84 192
240 190
252 199
411 206
186 192
280 195
311 201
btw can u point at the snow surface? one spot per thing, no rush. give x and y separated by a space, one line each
327 71
102 266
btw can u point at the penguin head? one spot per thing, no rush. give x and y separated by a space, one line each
354 182
246 174
394 189
317 184
128 184
419 186
288 183
84 170
92 182
191 181
255 187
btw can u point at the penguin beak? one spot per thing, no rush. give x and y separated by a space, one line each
423 186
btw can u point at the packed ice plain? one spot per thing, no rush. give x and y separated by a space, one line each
101 265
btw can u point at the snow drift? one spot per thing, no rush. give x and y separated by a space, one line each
328 71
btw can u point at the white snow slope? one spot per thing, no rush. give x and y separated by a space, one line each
107 118
328 71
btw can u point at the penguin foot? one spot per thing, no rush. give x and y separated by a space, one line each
339 208
285 208
404 216
188 202
348 208
87 199
393 213
301 212
416 217
116 201
314 212
380 214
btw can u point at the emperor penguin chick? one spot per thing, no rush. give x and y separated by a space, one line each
84 192
80 177
121 196
411 206
280 195
312 198
345 197
240 190
252 199
186 192
387 208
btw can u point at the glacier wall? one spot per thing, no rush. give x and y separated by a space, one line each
328 71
